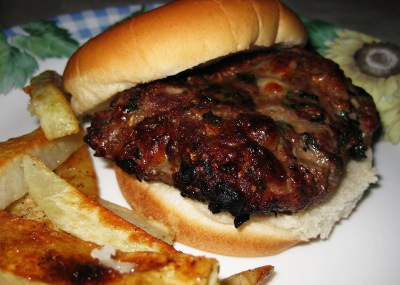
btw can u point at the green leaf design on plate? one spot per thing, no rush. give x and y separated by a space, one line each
16 66
320 33
45 39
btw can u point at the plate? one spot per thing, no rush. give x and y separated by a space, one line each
361 250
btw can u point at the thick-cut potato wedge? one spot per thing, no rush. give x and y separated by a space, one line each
32 253
254 276
77 214
27 208
78 170
152 227
49 103
53 153
174 269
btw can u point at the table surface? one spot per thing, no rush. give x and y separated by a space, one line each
376 18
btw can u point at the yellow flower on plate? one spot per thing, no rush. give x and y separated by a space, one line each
375 66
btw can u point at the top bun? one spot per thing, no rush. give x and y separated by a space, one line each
171 39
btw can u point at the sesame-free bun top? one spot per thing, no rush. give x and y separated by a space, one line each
170 39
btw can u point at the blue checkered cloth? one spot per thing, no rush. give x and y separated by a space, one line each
87 24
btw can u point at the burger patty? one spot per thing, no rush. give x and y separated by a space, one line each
264 132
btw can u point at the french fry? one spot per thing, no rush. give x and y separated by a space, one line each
50 105
33 253
27 208
78 170
77 214
254 276
53 153
152 227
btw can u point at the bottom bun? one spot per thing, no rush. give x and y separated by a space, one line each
194 225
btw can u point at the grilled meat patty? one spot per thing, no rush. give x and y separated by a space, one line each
265 132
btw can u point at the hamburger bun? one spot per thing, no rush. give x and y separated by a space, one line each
171 39
196 226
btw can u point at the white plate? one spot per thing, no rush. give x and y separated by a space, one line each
361 250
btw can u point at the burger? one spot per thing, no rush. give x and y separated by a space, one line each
223 125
